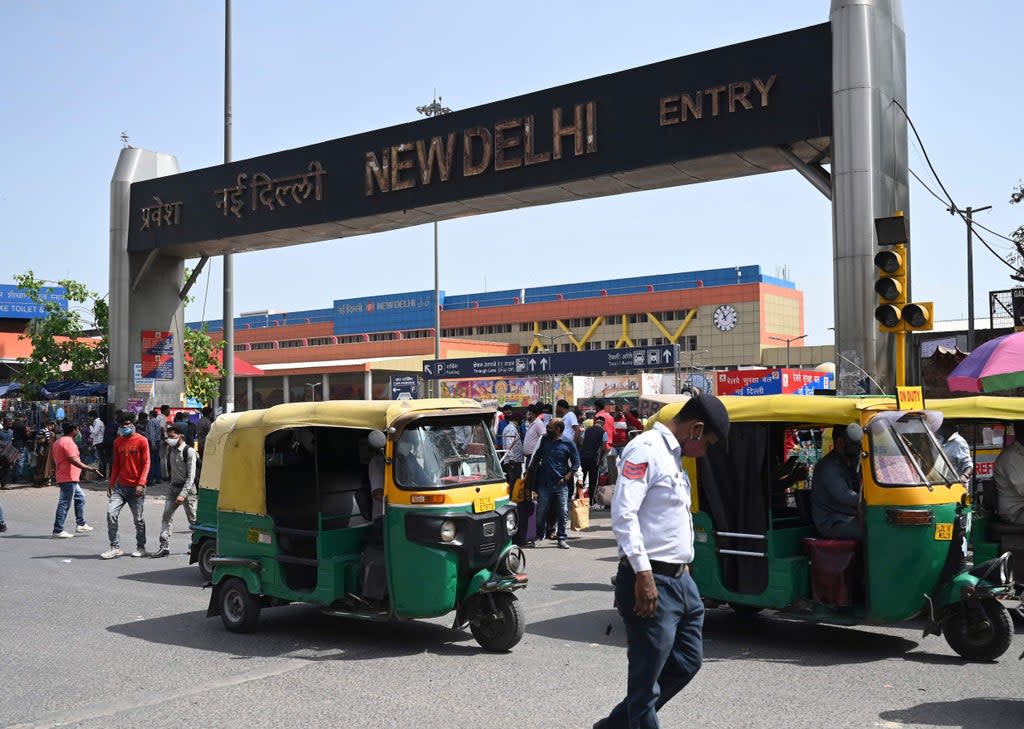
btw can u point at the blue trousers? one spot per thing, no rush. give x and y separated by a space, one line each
69 491
2 519
559 494
665 651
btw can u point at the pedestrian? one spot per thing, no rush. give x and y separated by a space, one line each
96 434
203 427
632 421
512 460
20 440
1008 473
150 425
957 450
3 520
595 445
609 419
127 485
534 431
68 467
164 419
559 460
8 454
569 420
654 592
183 460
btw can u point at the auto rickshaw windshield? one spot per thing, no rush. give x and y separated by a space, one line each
904 452
433 453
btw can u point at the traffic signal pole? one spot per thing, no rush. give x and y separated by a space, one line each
901 359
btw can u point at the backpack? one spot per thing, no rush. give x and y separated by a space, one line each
8 454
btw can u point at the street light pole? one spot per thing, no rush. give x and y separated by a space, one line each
435 108
229 266
968 213
312 387
788 341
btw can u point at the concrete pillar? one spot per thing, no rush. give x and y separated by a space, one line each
869 174
368 385
286 392
152 303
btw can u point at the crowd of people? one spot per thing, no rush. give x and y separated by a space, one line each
140 450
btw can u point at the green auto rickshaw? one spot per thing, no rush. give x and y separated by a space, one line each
756 546
373 510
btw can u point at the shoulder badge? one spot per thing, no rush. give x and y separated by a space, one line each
634 471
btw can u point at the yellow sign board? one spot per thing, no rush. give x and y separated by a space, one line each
910 398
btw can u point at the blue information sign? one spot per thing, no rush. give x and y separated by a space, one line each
553 363
15 304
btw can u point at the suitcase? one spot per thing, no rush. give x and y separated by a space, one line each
527 512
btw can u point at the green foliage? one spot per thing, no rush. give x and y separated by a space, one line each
1017 259
200 355
64 338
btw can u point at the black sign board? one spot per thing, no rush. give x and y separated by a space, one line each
1017 298
553 363
713 115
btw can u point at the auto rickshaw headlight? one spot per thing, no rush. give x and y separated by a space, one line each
511 522
447 530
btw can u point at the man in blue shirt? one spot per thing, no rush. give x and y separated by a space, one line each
558 464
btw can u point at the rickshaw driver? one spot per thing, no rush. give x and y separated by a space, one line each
835 497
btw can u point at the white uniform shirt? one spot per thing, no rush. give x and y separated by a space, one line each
651 507
1009 477
534 433
96 434
958 453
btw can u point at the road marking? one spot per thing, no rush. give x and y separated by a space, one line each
116 706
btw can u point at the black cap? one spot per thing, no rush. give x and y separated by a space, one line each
716 417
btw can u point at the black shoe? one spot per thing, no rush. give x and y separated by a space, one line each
530 544
162 552
3 526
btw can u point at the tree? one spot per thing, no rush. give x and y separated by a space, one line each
1017 259
68 342
201 355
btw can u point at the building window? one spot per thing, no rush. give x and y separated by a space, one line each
260 346
526 326
691 343
637 318
321 341
290 343
639 342
241 347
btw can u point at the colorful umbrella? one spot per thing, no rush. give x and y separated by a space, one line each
995 366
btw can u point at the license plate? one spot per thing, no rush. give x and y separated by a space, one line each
943 532
482 504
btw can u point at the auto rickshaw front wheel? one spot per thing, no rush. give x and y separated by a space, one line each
239 610
499 622
981 632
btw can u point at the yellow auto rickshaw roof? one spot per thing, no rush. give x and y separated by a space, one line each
796 409
981 407
233 458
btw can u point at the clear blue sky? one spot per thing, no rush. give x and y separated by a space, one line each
75 74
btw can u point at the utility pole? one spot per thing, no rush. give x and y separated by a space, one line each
788 341
968 213
435 108
229 265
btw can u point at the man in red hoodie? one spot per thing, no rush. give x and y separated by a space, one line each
127 485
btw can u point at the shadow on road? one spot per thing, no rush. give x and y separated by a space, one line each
732 637
303 632
178 576
583 587
977 713
597 543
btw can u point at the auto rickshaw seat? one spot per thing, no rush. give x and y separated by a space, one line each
833 569
998 529
342 495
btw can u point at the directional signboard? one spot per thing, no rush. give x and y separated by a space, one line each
404 387
553 363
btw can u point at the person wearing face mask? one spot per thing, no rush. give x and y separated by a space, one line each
835 493
559 460
182 459
654 593
127 485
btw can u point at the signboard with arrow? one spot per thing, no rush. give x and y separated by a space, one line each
553 363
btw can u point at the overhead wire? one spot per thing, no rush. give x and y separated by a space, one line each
953 206
947 204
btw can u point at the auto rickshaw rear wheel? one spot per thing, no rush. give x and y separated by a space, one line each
984 634
207 551
498 629
239 610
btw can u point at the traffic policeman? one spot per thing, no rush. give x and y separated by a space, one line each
655 595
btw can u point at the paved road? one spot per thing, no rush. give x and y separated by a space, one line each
126 643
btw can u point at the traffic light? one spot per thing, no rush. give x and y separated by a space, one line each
891 265
893 313
891 287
